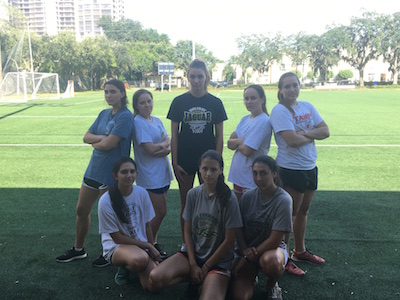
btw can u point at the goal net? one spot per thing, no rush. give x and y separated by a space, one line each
24 86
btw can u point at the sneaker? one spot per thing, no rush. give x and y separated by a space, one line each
308 257
291 268
71 255
274 293
100 262
163 254
122 276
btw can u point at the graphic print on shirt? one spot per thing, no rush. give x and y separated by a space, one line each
109 127
205 228
304 122
197 118
133 216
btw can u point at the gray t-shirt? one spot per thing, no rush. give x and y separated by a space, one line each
260 216
209 222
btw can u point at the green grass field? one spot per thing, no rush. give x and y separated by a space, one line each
352 222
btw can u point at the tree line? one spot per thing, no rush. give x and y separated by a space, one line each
130 52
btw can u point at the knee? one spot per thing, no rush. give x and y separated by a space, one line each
156 280
138 264
82 211
272 266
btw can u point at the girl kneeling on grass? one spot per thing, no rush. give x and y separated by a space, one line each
211 218
125 212
267 216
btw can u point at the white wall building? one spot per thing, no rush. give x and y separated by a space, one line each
375 70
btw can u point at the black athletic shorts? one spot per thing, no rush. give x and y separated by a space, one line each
299 180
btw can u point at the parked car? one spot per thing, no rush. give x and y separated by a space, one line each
346 82
218 84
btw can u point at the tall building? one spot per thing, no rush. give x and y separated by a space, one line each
41 14
88 12
53 16
65 13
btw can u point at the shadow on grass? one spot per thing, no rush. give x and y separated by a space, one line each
353 231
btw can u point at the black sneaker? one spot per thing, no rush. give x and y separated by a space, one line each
71 255
100 262
163 254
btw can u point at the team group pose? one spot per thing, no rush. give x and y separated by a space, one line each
228 236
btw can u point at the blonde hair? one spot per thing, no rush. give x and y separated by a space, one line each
201 65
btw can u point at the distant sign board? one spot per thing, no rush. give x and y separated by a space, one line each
165 68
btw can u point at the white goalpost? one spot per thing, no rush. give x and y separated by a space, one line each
24 86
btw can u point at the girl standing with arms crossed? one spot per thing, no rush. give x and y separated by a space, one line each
125 212
251 138
211 218
196 126
110 136
296 125
267 216
152 146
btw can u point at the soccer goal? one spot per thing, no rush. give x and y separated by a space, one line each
24 86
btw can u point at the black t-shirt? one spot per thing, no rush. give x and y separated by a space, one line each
196 117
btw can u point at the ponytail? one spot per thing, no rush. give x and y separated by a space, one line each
118 204
117 201
223 191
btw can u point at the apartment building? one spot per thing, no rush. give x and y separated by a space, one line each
81 16
88 12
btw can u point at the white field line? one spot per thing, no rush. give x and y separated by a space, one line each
61 117
273 145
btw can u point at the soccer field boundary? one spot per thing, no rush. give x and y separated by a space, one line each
273 145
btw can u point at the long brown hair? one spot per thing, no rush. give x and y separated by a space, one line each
121 86
261 93
280 86
117 200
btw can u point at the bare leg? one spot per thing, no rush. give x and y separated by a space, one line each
87 197
160 207
273 265
136 260
297 198
242 287
300 222
184 186
172 271
214 287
